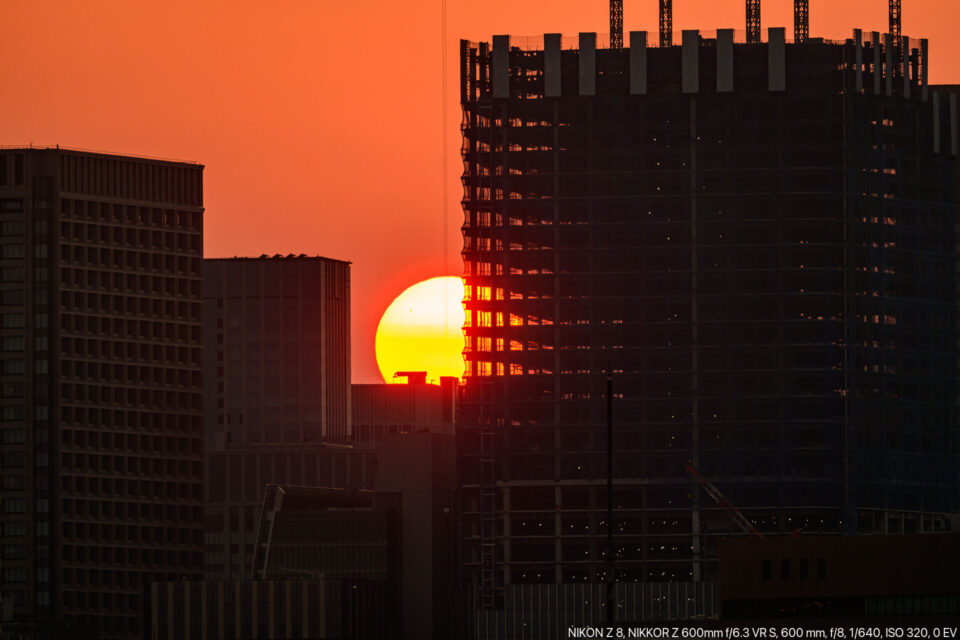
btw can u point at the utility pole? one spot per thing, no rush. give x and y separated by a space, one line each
611 601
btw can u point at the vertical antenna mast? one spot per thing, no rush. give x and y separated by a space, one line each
895 21
616 24
895 36
666 23
753 21
895 31
801 20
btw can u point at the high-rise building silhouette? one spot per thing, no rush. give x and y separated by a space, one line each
100 370
277 392
756 243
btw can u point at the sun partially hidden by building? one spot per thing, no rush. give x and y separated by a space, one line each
757 243
100 371
380 410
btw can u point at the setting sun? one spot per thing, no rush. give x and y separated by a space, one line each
422 330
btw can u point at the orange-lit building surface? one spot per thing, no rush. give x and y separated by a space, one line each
101 386
757 243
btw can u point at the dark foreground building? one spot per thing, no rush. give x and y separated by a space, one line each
291 608
277 392
382 410
338 563
100 371
757 243
906 579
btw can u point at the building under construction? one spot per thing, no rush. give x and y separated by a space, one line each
755 240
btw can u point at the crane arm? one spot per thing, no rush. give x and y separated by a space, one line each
724 504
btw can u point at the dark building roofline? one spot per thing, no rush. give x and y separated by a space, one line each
278 256
102 154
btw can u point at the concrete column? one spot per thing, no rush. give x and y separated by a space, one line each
171 629
858 58
501 66
953 124
724 60
186 611
638 62
551 65
936 122
588 64
877 69
776 59
888 64
690 58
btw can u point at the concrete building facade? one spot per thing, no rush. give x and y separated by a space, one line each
277 384
381 410
100 369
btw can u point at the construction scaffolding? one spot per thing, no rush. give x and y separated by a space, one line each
762 257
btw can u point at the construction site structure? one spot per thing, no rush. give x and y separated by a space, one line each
717 496
757 241
616 24
801 20
666 23
753 21
894 14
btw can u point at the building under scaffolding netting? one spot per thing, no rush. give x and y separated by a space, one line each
757 243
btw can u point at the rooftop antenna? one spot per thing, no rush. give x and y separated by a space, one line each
666 23
801 20
753 21
616 24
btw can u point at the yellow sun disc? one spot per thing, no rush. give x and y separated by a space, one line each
422 330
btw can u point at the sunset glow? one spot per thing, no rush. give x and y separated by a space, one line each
422 330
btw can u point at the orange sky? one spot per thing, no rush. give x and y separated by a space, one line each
319 121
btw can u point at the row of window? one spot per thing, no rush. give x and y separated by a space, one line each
122 488
119 464
99 280
130 351
129 374
131 178
100 555
19 274
130 510
127 305
96 394
165 330
19 505
131 215
168 420
136 261
785 566
116 235
130 441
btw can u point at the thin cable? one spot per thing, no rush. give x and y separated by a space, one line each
443 154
